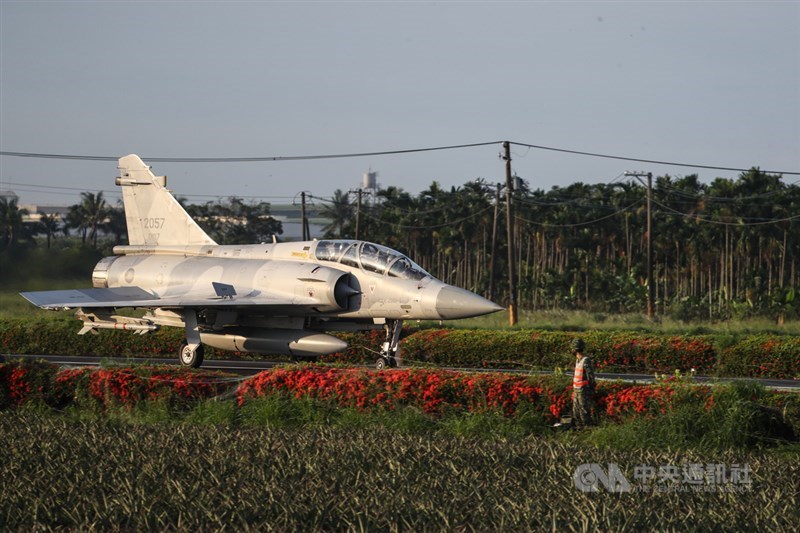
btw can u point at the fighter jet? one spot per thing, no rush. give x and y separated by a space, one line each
273 298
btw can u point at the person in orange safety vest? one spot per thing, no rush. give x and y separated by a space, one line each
582 386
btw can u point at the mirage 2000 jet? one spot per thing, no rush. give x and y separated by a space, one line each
274 298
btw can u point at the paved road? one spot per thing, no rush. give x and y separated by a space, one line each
247 368
244 368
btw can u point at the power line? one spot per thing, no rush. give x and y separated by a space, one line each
574 202
378 153
721 223
381 206
258 159
672 190
656 162
55 189
446 224
578 224
62 193
249 197
45 186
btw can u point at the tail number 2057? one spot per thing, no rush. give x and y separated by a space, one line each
153 223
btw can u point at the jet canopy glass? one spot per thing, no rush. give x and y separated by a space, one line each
370 257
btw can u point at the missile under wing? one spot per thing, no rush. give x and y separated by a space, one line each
264 298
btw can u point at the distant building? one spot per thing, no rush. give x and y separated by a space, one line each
369 186
370 180
35 211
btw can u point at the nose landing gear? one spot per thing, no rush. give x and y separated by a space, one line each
388 357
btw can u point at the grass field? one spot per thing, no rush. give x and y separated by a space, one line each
12 305
584 321
108 474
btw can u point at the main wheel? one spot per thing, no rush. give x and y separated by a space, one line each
191 358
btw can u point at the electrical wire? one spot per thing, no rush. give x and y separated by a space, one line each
655 162
378 153
220 196
406 212
721 223
576 203
569 201
618 178
111 194
258 159
548 225
706 197
46 186
116 192
449 223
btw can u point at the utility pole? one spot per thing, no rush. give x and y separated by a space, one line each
358 193
358 213
494 243
650 286
303 216
512 288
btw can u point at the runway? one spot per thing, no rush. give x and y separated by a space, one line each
249 368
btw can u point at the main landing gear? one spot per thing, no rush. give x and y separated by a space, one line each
191 357
191 351
389 349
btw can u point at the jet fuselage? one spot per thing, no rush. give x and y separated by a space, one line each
357 280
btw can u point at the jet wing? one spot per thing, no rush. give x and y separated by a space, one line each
119 297
223 296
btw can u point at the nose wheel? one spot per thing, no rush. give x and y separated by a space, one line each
388 358
384 363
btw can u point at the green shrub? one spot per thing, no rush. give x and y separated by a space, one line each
762 356
740 414
776 356
27 381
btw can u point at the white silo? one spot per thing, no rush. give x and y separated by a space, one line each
370 180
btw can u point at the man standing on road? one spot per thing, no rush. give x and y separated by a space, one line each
582 386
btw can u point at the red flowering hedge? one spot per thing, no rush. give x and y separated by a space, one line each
762 356
435 392
618 400
26 382
440 391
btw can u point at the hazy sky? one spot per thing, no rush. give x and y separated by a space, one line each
714 83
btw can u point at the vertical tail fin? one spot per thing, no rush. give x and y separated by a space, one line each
154 216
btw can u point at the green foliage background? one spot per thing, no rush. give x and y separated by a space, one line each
725 250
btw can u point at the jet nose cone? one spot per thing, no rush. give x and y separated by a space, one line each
453 302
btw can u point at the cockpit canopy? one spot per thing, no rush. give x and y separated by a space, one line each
370 257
